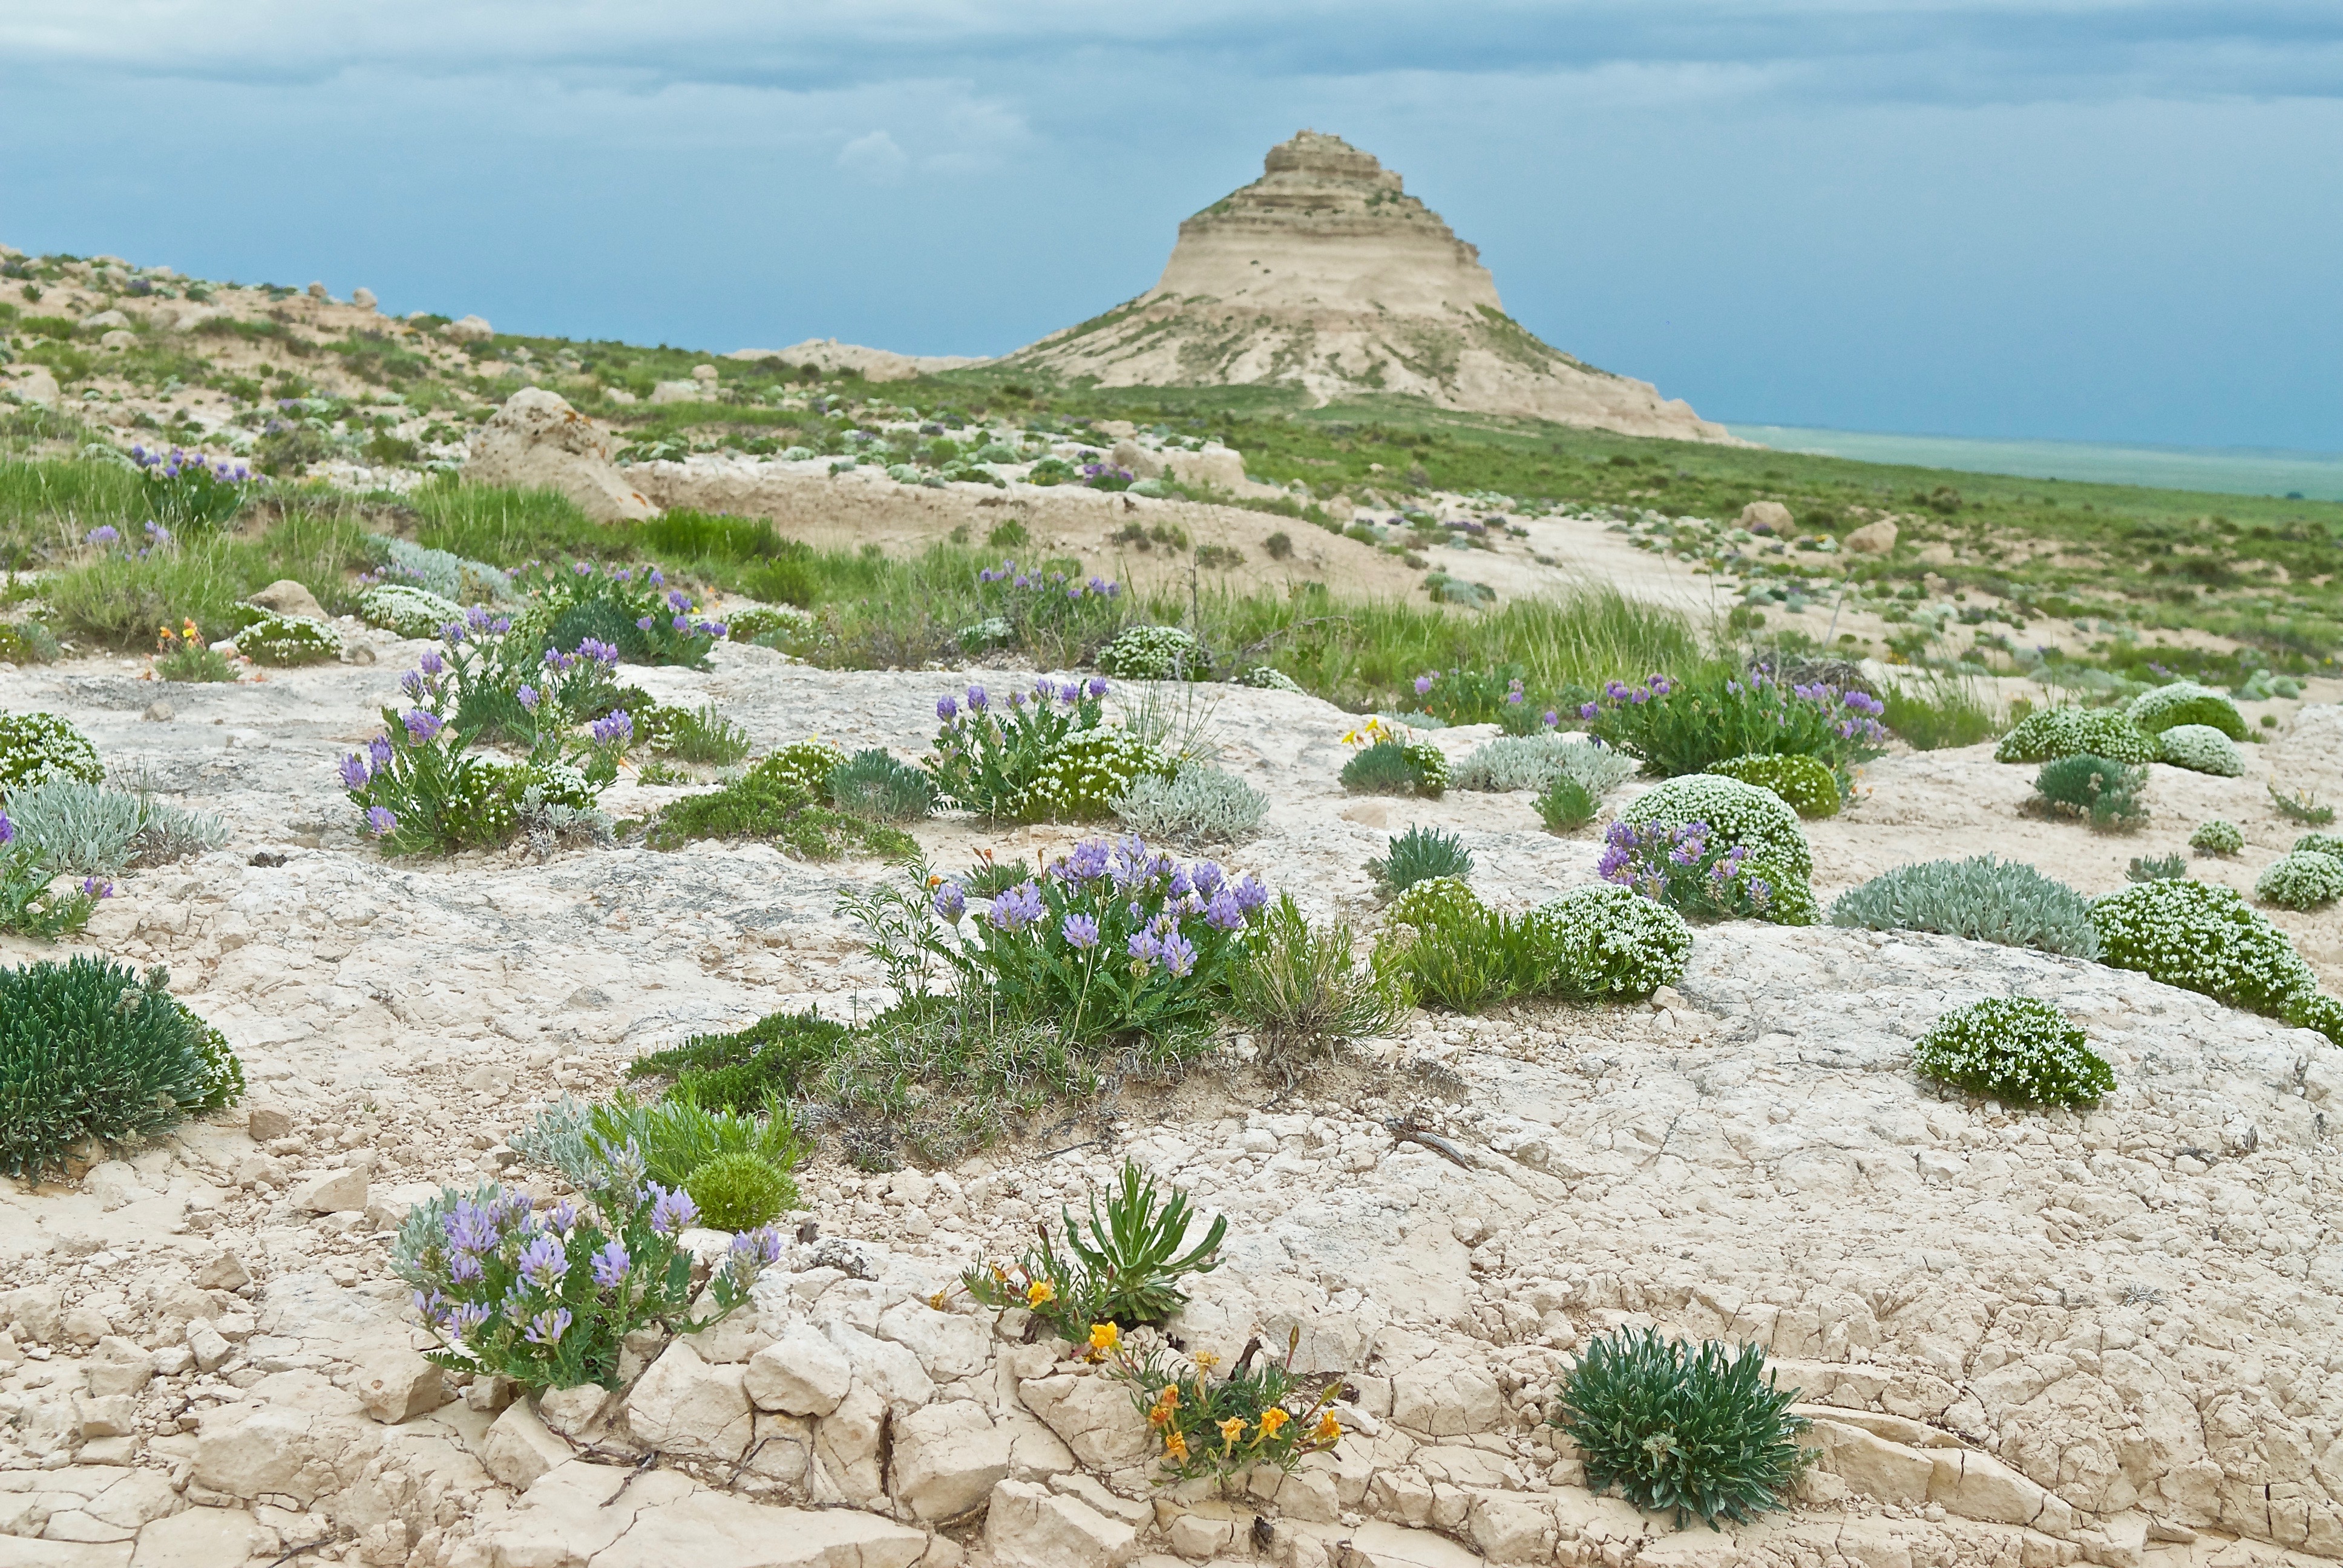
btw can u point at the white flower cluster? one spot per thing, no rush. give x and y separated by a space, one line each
2204 938
2304 880
2200 748
2071 732
405 610
1614 941
1155 653
1736 813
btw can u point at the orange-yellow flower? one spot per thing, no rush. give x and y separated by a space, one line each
1165 1404
1233 1429
1038 1292
1329 1430
1206 1360
1272 1421
936 1300
1104 1337
1175 1446
1000 1273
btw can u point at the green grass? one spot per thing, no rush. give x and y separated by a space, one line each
120 602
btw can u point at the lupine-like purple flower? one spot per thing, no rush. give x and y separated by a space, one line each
1552 721
380 820
977 701
431 663
610 1266
7 829
1097 686
613 729
1588 710
1144 946
378 752
1018 907
527 698
1081 932
411 683
1089 862
1423 686
547 1327
91 888
656 577
103 534
468 1318
470 1227
464 1268
543 1262
1251 893
646 623
671 1210
1179 955
946 708
949 902
354 771
753 1251
422 726
1224 914
600 652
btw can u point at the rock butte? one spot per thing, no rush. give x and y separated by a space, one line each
1325 274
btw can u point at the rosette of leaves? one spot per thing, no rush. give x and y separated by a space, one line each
1982 899
2071 732
1155 653
2200 748
2155 868
407 610
89 1050
1397 768
2302 879
283 640
1081 776
2015 1050
2104 792
1419 855
1806 786
2184 702
1121 1267
1675 1427
38 746
2218 837
2205 938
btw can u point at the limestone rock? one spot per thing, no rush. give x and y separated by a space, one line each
1766 517
342 1192
676 392
200 1538
571 1412
947 1457
670 1520
273 1451
210 1347
468 329
32 384
520 1448
537 439
1875 538
396 1383
950 1345
684 1406
1136 460
1446 1398
120 337
1325 274
846 1444
1029 1527
285 597
801 1373
1094 1417
103 321
829 356
363 298
265 1122
1378 1544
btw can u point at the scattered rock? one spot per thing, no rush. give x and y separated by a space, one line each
397 1384
570 1412
538 440
1877 538
1766 517
800 1373
342 1192
685 1407
103 321
363 298
468 329
1135 460
265 1122
1029 1527
1094 1418
520 1449
285 597
947 1457
159 712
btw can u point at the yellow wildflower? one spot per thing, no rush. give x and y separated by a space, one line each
1104 1337
1165 1404
1206 1360
1000 1273
1232 1429
1038 1292
1329 1430
1272 1421
1175 1445
936 1300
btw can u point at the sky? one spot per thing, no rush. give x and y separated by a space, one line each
2067 219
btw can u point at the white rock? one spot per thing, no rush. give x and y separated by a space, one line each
520 1448
287 596
537 439
950 1345
800 1373
363 298
274 1451
947 1457
570 1412
1029 1527
885 1366
342 1192
208 1345
396 1383
1768 516
1446 1398
846 1448
1095 1418
468 329
684 1406
104 321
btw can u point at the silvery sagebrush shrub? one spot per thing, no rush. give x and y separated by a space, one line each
2071 732
1155 653
2205 938
2184 702
2200 748
1419 855
1111 940
38 746
545 1296
2104 793
2015 1050
29 905
1199 804
407 610
2218 837
874 783
1695 1429
2301 880
1534 762
1679 728
442 572
90 1050
283 640
1805 785
419 787
1983 899
94 830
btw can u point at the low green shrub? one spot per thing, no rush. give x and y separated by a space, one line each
89 1051
743 1070
1748 815
1155 653
1567 805
2200 748
2071 732
2302 879
699 734
2015 1050
2320 844
1594 943
1805 785
1080 777
1679 728
185 657
2299 806
772 802
1613 944
283 640
739 1192
2155 868
2184 702
1418 854
2104 792
2204 937
38 746
1695 1430
1982 899
2218 837
1199 804
1397 768
872 783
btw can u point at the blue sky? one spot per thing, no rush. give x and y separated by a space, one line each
2080 220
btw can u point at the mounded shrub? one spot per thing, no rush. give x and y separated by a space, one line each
2016 1050
741 1071
1613 943
1566 805
407 610
739 1191
1086 772
804 766
2204 937
1535 762
1200 803
2302 879
2320 844
1808 787
2071 732
1982 899
283 640
1266 678
91 830
1397 768
875 783
2104 793
2200 748
88 1049
2184 702
1432 900
1155 653
1736 813
2220 836
38 746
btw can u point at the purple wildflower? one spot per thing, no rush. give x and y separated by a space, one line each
976 699
1225 913
1144 946
1098 687
610 1266
1081 932
1251 893
646 622
1018 907
672 1212
421 726
950 901
378 752
527 698
613 729
543 1262
946 708
1423 686
468 1318
354 771
1087 862
547 1327
103 534
1588 710
600 652
91 888
431 663
470 1227
379 821
7 829
1179 955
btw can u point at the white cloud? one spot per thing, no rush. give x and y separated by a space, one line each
873 156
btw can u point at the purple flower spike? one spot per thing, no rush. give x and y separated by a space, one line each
646 623
1179 955
7 829
1017 909
613 729
950 901
1224 914
1251 894
354 771
610 1266
422 727
547 1327
526 697
1588 710
378 752
1081 932
1098 687
672 1212
379 821
977 701
946 708
543 1262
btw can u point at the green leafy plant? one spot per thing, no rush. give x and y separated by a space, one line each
773 801
1418 854
744 1069
1567 805
699 734
2104 792
1197 804
1683 727
2217 837
94 830
739 1191
1804 783
283 640
2200 748
1397 768
1691 1430
2184 702
38 746
2155 868
2302 879
2297 806
2015 1050
2069 732
1301 987
184 655
91 1050
1592 943
1983 899
1155 653
1218 1426
1122 1268
2205 938
632 608
873 783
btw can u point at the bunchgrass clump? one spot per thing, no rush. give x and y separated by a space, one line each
2217 837
2302 879
2097 790
2155 868
1567 805
1694 1430
874 783
1302 988
90 1052
773 802
699 735
1418 854
2015 1050
1983 899
1200 804
1591 944
743 1070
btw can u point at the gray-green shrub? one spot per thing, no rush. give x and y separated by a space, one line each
1534 762
1199 804
1983 899
93 830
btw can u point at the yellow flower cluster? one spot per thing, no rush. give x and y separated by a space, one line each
1373 732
